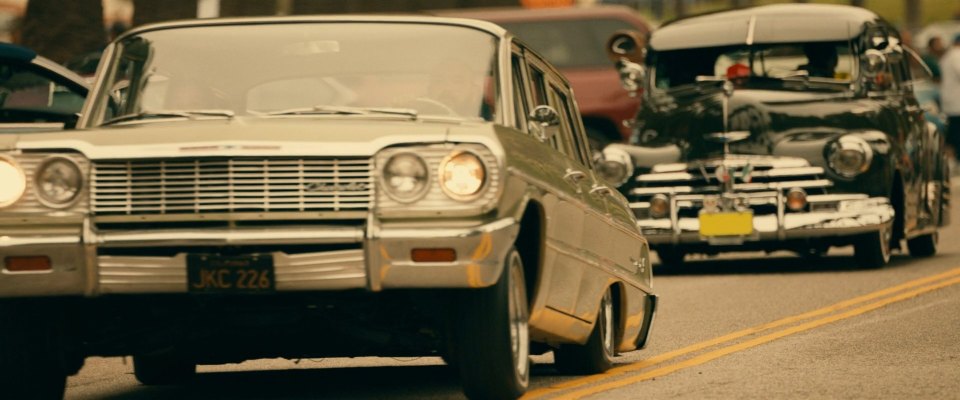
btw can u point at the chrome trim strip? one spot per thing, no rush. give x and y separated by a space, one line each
343 269
219 237
10 241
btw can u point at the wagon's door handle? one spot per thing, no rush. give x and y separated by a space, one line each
574 176
601 191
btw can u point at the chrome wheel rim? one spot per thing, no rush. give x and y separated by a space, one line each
885 236
606 325
519 319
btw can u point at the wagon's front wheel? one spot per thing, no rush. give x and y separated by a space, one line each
597 354
31 361
493 339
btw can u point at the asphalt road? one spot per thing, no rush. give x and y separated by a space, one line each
749 326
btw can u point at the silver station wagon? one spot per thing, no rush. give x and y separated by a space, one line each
317 187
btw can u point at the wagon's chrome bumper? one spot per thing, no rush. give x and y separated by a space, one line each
828 216
378 256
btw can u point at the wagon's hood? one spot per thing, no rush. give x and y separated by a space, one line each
301 136
779 122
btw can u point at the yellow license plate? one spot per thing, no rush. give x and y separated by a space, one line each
726 223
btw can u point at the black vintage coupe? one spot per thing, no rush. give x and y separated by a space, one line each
782 127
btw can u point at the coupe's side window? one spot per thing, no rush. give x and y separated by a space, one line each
24 89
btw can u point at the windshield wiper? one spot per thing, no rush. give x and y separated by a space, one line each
188 114
344 110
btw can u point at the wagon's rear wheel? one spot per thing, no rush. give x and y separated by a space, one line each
492 337
596 355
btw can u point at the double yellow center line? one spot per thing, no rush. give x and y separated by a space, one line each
625 375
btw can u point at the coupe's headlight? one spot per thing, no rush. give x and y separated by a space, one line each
849 156
58 182
12 182
462 175
405 177
616 166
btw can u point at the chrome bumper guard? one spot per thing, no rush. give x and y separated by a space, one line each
826 216
381 259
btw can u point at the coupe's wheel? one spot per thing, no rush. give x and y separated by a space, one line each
872 250
596 355
493 339
671 257
923 246
31 363
162 369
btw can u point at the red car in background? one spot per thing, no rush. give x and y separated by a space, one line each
574 39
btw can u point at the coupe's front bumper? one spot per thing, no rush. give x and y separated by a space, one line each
375 256
825 216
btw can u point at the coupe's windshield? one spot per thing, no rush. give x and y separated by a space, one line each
296 69
758 65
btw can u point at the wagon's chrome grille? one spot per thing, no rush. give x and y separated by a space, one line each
239 184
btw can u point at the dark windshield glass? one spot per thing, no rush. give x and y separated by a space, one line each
569 43
21 88
817 61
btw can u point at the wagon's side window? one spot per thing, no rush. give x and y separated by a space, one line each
539 86
564 137
520 108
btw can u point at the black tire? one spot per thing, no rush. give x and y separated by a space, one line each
162 369
493 339
31 361
597 354
671 257
923 246
872 250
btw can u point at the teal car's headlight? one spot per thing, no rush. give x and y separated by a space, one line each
849 156
615 166
12 181
405 177
462 175
58 182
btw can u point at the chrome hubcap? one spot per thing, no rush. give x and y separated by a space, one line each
519 318
606 324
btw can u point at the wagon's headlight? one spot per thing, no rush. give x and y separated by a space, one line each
12 182
405 177
462 175
58 182
849 156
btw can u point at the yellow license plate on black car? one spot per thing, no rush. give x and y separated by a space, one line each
214 273
737 223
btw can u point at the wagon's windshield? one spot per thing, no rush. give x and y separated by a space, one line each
816 64
294 69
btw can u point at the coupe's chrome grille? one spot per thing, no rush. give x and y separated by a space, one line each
211 185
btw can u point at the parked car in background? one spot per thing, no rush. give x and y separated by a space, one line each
574 40
37 94
780 127
317 187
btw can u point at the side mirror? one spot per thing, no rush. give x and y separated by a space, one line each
627 44
873 62
544 120
627 49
